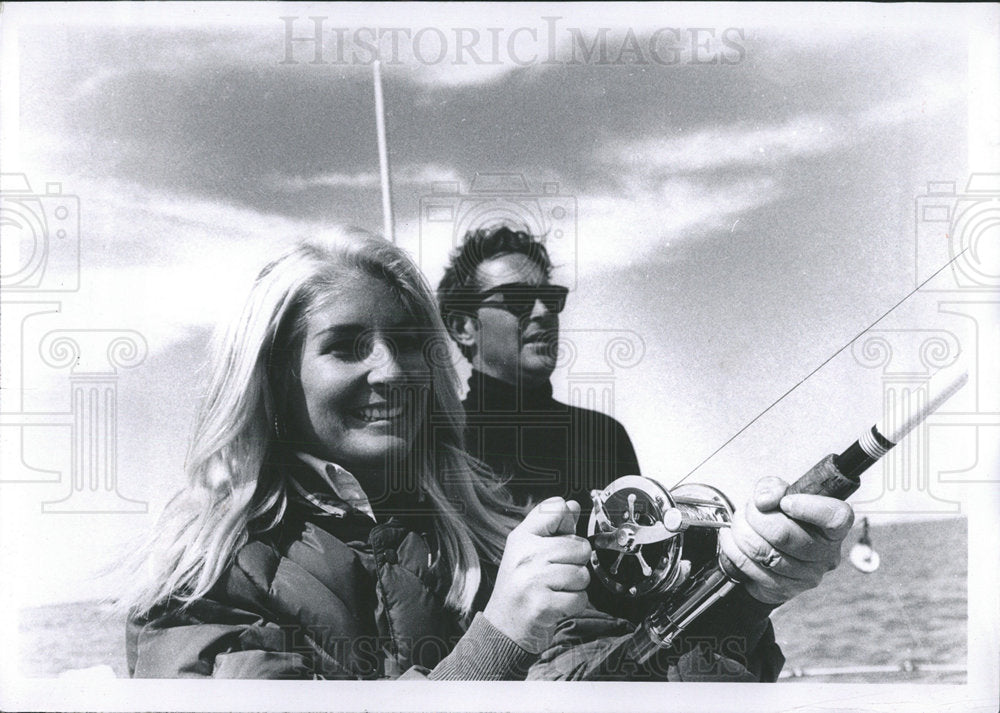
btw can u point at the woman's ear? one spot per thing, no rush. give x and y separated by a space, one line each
463 328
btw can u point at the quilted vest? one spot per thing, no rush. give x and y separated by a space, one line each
319 597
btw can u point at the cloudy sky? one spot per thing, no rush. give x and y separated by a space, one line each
731 192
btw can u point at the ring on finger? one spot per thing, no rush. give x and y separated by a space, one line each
771 560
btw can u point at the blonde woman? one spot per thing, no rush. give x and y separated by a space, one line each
332 525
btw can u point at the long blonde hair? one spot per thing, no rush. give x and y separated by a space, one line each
231 491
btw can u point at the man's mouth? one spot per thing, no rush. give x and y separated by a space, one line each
378 412
539 338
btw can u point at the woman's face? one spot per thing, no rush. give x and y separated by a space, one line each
364 382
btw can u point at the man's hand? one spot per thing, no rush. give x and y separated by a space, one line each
784 544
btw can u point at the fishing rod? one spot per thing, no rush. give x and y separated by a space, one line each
650 541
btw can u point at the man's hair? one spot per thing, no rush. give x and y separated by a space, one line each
459 281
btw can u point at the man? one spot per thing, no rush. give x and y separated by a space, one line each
502 311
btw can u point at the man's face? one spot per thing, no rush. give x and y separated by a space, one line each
507 347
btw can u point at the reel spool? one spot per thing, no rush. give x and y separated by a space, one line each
648 540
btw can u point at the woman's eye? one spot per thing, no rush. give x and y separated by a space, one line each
348 348
358 347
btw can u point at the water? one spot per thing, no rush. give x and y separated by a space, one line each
61 637
914 608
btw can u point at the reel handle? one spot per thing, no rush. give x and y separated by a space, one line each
824 478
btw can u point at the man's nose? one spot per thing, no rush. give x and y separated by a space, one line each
539 310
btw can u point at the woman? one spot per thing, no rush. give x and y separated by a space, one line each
332 525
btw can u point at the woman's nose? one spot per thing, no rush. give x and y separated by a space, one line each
383 362
396 361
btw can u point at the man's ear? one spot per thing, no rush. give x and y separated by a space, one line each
463 328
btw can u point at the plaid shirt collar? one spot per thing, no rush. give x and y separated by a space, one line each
345 492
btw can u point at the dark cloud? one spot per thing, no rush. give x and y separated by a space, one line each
185 112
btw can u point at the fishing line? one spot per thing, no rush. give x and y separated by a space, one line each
824 363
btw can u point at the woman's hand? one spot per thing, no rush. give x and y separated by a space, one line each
543 575
784 544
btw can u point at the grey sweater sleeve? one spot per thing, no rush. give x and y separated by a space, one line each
484 654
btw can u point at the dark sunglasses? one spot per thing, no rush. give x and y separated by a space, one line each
519 299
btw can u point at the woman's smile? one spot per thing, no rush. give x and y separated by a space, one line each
378 413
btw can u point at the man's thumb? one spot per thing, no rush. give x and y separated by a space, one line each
768 493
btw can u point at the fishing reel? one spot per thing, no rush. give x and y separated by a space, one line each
660 544
648 540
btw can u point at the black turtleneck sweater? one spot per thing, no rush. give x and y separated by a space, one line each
542 447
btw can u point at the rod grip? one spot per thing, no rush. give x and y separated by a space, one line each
825 478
